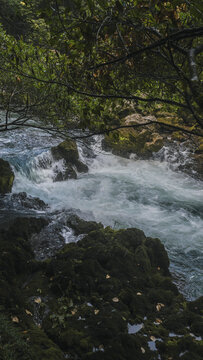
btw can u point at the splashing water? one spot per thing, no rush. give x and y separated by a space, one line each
147 194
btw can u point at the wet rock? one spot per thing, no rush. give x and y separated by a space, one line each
23 227
16 257
111 278
125 142
67 150
48 241
68 173
146 142
6 177
29 202
89 293
81 226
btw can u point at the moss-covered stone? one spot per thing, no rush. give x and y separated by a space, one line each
129 141
6 177
81 226
67 150
109 296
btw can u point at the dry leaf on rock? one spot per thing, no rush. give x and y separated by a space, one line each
28 312
15 319
159 306
158 321
115 299
38 300
152 338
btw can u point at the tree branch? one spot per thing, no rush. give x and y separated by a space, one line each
180 35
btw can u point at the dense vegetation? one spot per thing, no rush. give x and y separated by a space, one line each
79 64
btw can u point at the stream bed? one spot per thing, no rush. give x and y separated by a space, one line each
148 194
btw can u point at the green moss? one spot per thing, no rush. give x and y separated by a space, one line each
42 347
178 136
67 150
12 344
91 291
126 141
6 177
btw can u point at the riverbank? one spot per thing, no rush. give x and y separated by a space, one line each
108 296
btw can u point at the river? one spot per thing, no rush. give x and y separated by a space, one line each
147 194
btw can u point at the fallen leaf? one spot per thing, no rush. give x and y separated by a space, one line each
152 338
115 299
28 312
73 312
158 321
38 300
139 293
15 319
159 306
143 350
108 276
96 311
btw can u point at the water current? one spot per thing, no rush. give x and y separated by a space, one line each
148 194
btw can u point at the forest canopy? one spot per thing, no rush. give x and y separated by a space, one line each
75 64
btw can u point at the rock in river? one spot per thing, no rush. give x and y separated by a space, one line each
6 177
67 150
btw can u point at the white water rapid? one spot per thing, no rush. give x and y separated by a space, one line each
122 193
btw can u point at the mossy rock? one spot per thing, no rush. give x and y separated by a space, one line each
29 202
67 151
105 281
6 177
92 292
125 142
81 226
178 136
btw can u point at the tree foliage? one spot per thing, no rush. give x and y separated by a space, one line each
78 64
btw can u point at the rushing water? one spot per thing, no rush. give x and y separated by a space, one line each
121 193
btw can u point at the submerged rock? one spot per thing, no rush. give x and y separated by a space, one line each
29 202
6 177
67 150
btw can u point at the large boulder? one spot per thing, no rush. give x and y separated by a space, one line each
68 152
109 296
142 142
6 177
